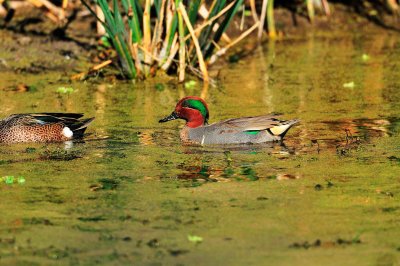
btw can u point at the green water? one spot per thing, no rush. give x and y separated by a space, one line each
131 194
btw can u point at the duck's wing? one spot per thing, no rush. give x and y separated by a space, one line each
70 120
58 115
271 123
251 123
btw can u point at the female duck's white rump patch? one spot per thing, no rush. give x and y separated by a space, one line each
67 132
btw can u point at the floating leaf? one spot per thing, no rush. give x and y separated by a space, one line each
21 180
349 85
195 239
190 84
159 86
365 57
65 90
9 179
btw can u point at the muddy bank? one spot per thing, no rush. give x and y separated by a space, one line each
32 44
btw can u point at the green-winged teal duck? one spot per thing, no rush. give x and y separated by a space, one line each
42 127
256 129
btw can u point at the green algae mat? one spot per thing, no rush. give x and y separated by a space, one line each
132 194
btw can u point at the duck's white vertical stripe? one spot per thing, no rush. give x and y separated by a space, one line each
67 132
202 140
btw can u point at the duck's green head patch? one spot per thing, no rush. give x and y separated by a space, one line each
197 104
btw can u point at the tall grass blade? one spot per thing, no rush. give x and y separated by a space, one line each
205 35
158 29
202 64
254 10
137 16
171 27
271 20
223 26
126 58
262 18
310 10
137 9
147 36
145 41
327 10
182 45
166 63
108 15
193 12
211 20
157 6
134 26
93 13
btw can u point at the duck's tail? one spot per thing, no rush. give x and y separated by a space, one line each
79 127
281 129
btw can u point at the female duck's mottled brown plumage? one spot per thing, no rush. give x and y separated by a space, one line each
42 127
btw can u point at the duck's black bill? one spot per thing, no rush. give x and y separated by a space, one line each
172 116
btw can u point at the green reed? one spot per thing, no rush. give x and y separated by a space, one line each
169 35
153 35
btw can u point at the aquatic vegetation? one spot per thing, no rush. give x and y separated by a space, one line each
188 36
65 90
9 179
190 84
159 86
349 85
365 57
144 47
195 239
325 244
60 155
167 35
267 13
